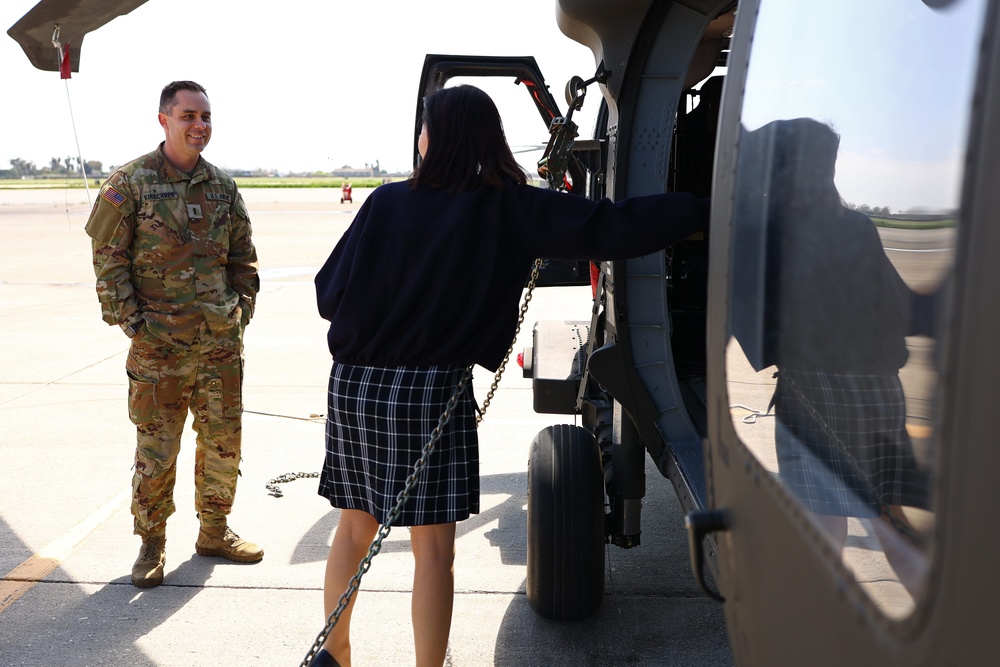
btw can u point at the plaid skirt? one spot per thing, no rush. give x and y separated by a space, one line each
378 422
842 444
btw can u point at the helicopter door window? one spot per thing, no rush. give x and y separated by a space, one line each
854 123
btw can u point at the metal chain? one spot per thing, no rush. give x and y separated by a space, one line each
287 477
517 330
383 531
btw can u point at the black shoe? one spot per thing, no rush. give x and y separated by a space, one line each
323 659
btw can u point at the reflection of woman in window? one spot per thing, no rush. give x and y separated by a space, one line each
836 318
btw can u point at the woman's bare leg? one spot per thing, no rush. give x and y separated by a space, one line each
433 591
900 544
354 536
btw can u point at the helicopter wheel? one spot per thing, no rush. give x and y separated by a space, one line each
565 524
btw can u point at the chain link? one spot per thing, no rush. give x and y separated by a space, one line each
510 350
287 477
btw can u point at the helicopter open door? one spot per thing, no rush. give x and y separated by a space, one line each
438 69
852 363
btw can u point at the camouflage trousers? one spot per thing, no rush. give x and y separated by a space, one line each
165 382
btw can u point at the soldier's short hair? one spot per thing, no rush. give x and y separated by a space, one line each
169 93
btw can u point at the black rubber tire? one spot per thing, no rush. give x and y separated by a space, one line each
565 579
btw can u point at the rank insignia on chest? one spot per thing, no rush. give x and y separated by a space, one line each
194 211
113 196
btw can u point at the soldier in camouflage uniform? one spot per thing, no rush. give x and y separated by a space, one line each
177 271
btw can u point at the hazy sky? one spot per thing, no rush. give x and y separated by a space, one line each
899 98
298 85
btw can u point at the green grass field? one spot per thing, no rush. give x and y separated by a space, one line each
310 182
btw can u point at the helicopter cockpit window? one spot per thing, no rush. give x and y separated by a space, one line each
850 168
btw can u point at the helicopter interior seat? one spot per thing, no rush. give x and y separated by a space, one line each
697 131
693 167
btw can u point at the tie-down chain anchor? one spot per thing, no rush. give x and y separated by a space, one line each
563 132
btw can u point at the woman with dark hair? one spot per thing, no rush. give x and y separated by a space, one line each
422 286
472 152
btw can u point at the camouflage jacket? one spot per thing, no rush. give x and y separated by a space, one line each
174 250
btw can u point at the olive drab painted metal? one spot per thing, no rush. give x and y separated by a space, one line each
74 18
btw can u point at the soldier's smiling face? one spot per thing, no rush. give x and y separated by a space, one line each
188 128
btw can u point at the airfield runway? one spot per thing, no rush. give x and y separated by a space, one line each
66 448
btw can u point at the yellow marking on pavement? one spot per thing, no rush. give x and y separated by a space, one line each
22 578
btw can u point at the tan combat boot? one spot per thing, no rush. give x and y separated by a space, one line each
222 541
148 568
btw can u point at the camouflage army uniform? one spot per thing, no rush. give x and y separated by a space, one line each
177 270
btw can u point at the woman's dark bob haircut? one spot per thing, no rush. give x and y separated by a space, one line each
466 146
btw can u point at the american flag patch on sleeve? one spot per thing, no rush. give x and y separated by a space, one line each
113 196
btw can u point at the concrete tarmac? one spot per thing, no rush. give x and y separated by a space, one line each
66 451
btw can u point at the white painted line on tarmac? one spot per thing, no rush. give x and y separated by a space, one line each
23 578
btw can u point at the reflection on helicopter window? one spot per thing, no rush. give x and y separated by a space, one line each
846 210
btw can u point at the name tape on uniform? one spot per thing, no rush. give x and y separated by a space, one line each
159 196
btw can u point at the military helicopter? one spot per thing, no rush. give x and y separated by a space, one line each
820 408
679 358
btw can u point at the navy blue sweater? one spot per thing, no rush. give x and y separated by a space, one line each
425 276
